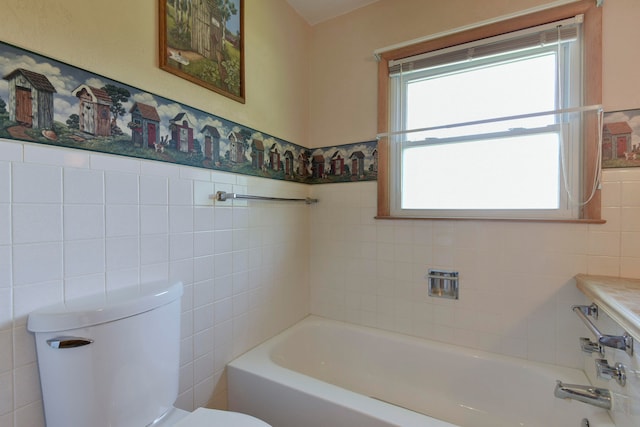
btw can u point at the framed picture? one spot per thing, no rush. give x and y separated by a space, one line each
203 42
621 139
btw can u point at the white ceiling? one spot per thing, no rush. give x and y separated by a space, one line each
316 11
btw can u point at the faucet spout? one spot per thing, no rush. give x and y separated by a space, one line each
600 397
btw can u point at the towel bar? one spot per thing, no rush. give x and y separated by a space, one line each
223 196
620 342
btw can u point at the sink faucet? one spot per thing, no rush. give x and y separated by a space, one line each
600 397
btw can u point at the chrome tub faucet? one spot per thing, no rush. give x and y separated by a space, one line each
600 397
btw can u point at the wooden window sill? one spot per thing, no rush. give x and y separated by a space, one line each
560 221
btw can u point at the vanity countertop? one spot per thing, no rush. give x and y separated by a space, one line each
617 296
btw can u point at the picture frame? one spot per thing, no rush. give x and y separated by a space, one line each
203 42
621 139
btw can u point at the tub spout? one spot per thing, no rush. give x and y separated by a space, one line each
600 397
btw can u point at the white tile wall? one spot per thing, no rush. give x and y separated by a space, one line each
74 223
33 223
36 183
516 284
83 186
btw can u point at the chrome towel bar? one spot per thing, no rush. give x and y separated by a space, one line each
620 342
223 196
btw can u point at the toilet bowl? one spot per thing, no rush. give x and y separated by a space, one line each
112 360
203 417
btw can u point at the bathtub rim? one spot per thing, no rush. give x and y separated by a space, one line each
253 361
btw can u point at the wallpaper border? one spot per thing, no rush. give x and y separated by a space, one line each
43 100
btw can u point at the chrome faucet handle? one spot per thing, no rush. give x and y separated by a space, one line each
607 372
620 342
589 346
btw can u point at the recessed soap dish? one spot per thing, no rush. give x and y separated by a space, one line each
443 284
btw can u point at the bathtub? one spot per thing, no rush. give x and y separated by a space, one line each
324 373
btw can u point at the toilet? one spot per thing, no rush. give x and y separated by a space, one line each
113 360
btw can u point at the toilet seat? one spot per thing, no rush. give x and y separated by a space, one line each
204 417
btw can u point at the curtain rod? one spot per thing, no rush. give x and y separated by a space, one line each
378 52
596 107
223 196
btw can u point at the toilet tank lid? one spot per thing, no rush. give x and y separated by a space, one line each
102 308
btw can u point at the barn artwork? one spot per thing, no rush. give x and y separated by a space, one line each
46 101
203 42
621 139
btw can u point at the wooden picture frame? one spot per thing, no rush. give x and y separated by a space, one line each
621 139
203 42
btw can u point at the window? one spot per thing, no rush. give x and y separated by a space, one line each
493 126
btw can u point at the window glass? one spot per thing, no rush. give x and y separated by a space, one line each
489 136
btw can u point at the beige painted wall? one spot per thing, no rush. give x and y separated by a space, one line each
621 58
119 39
293 72
344 72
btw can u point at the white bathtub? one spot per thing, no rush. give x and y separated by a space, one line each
323 373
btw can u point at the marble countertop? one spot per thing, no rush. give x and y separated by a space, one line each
618 297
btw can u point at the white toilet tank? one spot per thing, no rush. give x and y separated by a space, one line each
110 360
